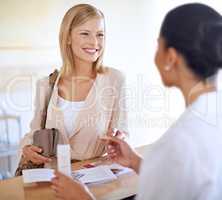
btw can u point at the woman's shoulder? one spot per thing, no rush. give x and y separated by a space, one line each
42 84
114 73
45 80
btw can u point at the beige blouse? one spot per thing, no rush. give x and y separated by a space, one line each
104 108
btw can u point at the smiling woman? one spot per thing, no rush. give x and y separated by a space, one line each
91 31
82 37
87 100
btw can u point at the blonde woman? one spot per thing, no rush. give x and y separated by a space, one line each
87 100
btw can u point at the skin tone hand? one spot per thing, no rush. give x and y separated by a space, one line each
32 153
116 133
120 152
68 189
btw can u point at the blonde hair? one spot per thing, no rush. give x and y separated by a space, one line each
74 17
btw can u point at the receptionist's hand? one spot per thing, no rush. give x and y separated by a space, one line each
113 132
120 152
68 189
32 153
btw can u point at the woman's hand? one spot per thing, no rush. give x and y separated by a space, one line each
113 132
120 152
69 189
32 153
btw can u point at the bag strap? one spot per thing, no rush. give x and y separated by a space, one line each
52 79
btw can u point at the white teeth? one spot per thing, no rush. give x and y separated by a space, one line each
91 50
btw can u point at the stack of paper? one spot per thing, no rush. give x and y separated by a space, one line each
37 175
99 174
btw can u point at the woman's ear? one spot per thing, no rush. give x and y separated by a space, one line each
171 59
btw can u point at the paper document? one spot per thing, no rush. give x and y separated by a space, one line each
99 174
37 175
119 170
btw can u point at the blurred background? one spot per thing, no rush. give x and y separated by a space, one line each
29 50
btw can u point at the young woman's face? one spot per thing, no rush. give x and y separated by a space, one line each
87 40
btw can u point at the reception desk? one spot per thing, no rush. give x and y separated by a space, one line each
123 187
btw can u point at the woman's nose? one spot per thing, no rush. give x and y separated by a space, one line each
93 40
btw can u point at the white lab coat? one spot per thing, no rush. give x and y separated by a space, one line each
186 163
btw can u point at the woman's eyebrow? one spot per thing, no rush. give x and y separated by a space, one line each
84 30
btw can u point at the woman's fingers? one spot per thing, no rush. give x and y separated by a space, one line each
55 182
25 153
111 150
54 188
62 177
111 140
60 183
59 175
32 153
120 134
29 148
40 158
112 147
35 149
114 132
26 150
37 158
57 192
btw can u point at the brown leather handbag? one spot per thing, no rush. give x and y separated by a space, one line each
46 139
